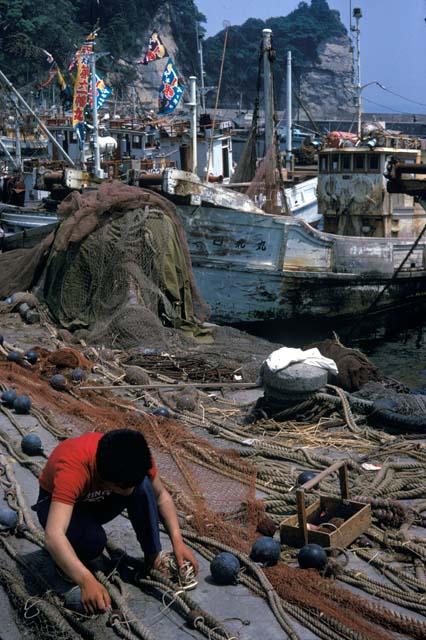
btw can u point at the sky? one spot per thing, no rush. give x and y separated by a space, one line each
393 43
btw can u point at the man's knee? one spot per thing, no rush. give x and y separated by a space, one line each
89 543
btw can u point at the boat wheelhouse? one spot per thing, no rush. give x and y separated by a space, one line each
352 194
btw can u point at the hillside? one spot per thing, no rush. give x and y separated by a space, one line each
320 50
315 34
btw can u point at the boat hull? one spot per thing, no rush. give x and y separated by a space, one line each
253 267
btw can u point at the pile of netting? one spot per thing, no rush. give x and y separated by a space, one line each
118 266
214 491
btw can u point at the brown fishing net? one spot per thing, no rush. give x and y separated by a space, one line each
354 367
266 188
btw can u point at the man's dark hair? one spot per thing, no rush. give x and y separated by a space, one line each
123 457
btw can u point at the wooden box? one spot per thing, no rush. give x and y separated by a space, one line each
351 518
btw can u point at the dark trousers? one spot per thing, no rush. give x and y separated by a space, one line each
85 531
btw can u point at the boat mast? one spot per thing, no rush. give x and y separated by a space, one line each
202 72
42 126
289 136
193 107
268 89
357 14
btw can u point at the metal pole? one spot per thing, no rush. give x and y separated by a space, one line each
96 150
40 123
358 15
268 89
7 154
202 73
18 156
193 106
289 137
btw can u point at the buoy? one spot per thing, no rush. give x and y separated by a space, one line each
8 397
8 518
78 375
312 556
58 382
31 356
161 411
73 600
266 550
22 405
31 445
14 356
224 568
304 477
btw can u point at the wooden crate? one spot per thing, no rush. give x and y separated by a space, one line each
356 516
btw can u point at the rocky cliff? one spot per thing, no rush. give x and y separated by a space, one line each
326 87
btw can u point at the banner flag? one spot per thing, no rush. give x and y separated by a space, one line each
81 86
156 49
170 91
103 91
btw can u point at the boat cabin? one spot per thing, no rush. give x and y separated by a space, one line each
352 195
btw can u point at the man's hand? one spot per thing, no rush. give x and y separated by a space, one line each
182 553
94 596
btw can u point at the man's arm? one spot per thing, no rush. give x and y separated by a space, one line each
168 514
94 596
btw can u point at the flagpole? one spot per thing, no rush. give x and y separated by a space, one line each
97 154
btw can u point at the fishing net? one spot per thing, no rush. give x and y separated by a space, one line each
214 491
266 188
120 262
117 265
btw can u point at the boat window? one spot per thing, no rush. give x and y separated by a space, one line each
136 142
335 162
359 162
373 162
345 162
323 163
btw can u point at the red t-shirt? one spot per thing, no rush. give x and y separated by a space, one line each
70 472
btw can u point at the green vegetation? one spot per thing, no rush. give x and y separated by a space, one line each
302 31
59 26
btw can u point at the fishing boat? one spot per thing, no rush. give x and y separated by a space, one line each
371 255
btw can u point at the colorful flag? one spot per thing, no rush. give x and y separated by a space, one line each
81 86
103 91
156 49
170 91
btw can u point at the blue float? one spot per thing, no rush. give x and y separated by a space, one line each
8 519
266 550
78 375
22 405
304 477
31 445
58 382
8 397
312 556
31 357
14 356
225 568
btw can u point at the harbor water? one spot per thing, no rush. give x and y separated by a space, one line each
395 342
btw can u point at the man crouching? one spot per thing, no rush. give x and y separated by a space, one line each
88 481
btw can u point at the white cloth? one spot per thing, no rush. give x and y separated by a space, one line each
282 358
